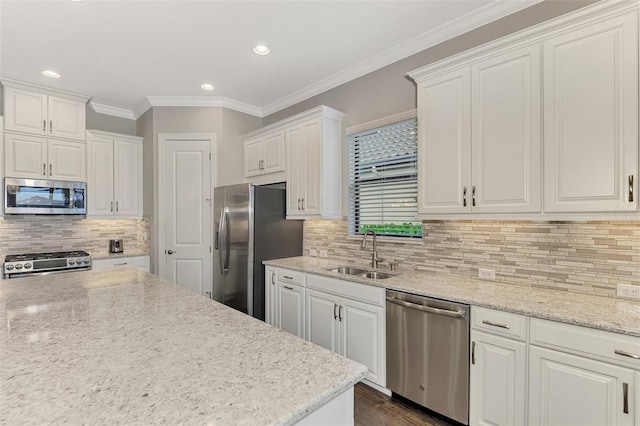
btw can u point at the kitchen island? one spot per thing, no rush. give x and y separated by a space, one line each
124 346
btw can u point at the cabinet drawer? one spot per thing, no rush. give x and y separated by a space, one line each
613 347
289 276
362 292
501 323
139 261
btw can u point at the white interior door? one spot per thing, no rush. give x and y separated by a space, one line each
188 214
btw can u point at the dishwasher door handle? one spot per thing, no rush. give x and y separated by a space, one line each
438 311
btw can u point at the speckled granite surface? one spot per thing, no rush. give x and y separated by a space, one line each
122 346
605 313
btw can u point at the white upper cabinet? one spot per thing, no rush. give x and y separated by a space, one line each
591 118
505 133
444 118
264 154
114 174
28 110
33 157
479 143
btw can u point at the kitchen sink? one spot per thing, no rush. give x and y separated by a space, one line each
376 275
364 273
348 270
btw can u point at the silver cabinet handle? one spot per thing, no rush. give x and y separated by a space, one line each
625 353
273 279
170 252
44 125
302 203
120 264
208 293
112 206
630 188
287 277
287 287
50 169
44 169
335 313
625 398
495 324
473 353
117 208
340 313
50 126
473 196
299 208
464 197
455 314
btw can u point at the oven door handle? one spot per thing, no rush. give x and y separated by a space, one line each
429 309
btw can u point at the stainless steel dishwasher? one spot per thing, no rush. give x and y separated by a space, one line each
428 353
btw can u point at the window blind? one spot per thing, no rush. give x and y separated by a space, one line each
383 185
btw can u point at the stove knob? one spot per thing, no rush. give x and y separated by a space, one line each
9 267
71 262
18 266
27 266
86 261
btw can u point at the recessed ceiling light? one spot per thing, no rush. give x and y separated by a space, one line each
207 86
49 73
261 49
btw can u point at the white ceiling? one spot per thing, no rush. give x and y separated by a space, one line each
121 52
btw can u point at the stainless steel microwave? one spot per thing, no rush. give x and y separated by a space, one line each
32 196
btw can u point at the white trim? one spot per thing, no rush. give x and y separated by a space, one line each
132 138
195 101
6 82
528 36
491 12
159 205
141 108
385 121
113 111
535 217
319 111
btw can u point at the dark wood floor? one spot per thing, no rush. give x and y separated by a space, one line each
374 408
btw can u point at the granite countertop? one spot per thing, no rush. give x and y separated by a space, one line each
124 346
605 313
126 253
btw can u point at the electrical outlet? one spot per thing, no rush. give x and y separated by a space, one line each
628 290
486 274
323 253
312 252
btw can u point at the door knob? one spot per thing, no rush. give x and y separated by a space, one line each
170 251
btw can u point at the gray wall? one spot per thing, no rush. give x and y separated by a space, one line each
389 91
109 123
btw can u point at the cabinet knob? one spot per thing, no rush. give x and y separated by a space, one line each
630 188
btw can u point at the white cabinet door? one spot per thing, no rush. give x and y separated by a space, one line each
253 158
100 176
25 111
505 137
66 118
322 319
67 160
127 177
444 132
295 169
270 299
25 156
311 199
569 390
591 117
290 303
363 337
273 153
497 381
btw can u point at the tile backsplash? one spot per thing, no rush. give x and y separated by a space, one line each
34 233
589 257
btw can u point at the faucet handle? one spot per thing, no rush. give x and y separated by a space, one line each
379 260
393 265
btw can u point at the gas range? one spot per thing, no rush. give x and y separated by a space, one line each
21 265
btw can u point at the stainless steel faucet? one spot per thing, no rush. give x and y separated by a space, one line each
374 256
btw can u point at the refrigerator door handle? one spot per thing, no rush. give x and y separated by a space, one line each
225 240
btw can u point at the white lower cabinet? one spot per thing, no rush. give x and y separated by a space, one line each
353 328
270 274
290 308
141 262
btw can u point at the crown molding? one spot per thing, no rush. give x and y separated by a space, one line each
141 108
384 121
201 101
111 110
491 12
7 82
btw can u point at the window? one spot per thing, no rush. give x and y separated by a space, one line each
383 184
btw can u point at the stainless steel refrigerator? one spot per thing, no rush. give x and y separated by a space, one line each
250 227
